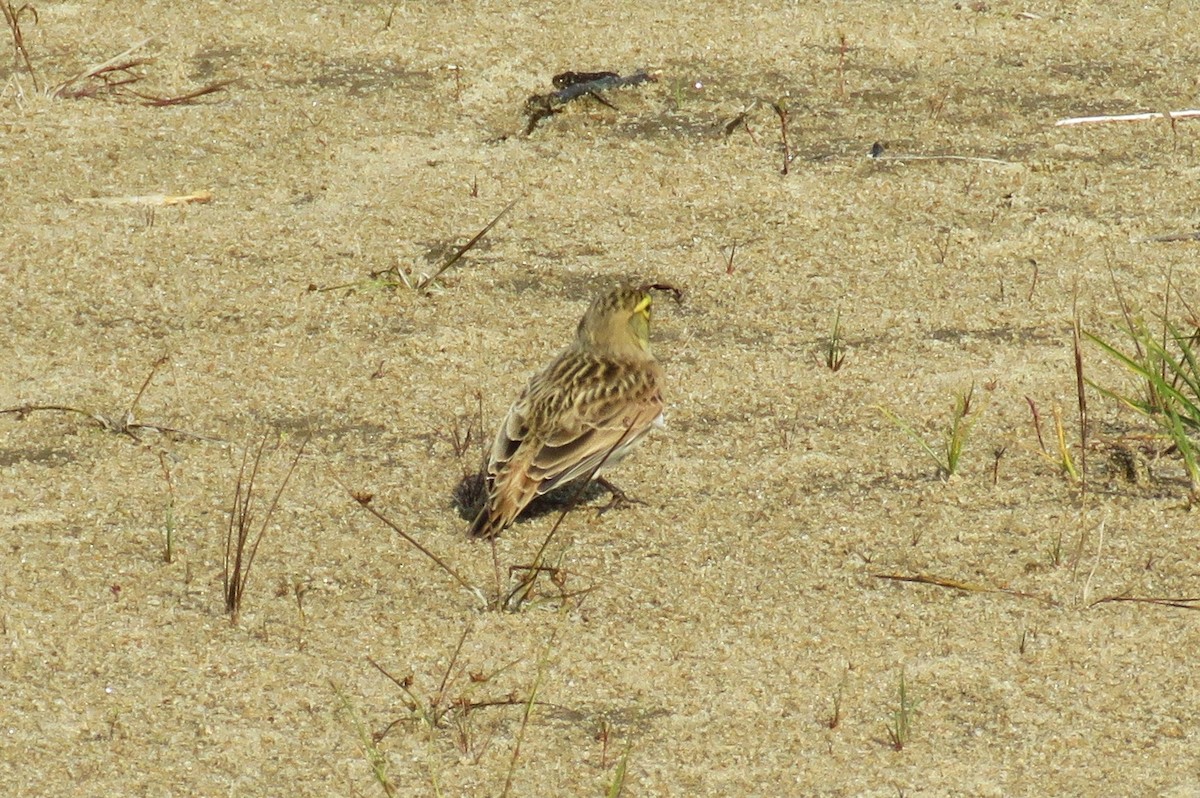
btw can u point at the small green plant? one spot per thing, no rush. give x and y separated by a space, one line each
835 717
1061 456
368 744
617 785
677 93
946 459
900 729
169 522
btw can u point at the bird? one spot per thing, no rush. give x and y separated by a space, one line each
587 409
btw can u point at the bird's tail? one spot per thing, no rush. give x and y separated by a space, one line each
510 491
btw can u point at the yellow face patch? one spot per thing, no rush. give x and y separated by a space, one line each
643 306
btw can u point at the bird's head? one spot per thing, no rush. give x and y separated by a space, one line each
617 323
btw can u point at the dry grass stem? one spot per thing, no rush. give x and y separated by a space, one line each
1090 120
241 549
966 587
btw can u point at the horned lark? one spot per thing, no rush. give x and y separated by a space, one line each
585 410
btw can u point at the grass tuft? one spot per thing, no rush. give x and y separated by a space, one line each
900 730
1165 361
241 542
949 456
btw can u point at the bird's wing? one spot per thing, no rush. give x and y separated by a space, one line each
591 433
524 463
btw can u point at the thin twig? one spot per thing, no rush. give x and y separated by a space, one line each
968 158
966 587
1181 603
13 17
182 99
364 501
1087 583
118 62
1081 395
782 112
421 286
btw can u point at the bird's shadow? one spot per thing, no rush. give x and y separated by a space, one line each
471 492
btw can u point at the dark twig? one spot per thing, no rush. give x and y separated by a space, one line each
782 112
1181 603
113 77
364 501
125 425
121 62
183 99
421 286
1037 424
12 16
966 587
1081 395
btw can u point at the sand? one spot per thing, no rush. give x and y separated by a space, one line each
730 636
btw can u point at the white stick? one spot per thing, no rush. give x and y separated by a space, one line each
1087 120
147 199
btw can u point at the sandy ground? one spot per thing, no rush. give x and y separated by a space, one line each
731 636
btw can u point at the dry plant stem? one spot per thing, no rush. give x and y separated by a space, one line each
843 47
148 199
1170 237
782 113
12 16
365 503
183 99
169 548
1087 120
1087 584
1081 395
835 347
1037 424
239 561
125 425
453 659
519 594
145 384
1181 603
966 587
120 61
968 158
22 411
428 281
